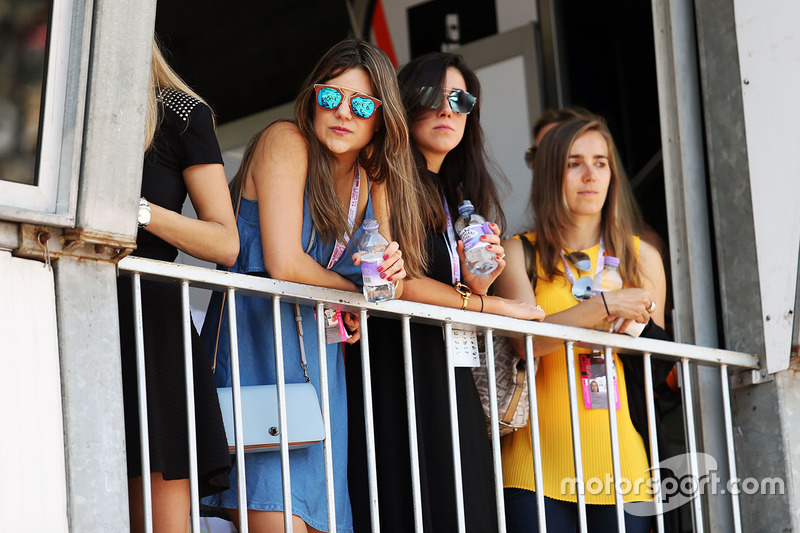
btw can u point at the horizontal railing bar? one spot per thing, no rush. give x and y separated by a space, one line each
503 326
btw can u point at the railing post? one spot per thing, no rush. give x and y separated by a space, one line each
494 417
576 435
369 422
191 422
322 348
413 448
238 428
611 401
691 440
451 382
652 434
536 443
141 385
283 421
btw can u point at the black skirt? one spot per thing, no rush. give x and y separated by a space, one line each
166 391
433 436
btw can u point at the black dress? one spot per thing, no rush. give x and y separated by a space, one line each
184 138
433 428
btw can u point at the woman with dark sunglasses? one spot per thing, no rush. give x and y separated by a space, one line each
579 220
303 190
442 98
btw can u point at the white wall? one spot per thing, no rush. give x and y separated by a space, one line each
504 118
769 56
510 14
33 495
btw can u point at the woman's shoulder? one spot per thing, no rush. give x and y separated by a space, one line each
648 253
284 135
180 105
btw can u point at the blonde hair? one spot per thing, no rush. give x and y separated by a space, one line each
161 77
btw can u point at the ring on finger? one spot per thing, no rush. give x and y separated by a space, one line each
652 307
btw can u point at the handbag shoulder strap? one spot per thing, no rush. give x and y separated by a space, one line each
297 316
530 258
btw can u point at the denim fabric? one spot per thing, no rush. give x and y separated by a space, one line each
257 365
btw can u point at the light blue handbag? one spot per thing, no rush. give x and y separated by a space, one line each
260 402
260 410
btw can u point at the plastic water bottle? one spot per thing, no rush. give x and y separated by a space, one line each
372 246
470 226
606 280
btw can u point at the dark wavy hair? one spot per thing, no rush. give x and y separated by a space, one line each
464 174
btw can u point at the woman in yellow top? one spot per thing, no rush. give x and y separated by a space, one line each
575 197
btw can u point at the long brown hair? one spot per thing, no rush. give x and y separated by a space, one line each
550 205
386 159
464 174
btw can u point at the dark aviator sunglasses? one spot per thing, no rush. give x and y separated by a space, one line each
582 288
460 101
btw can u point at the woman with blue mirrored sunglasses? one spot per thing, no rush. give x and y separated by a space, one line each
295 226
331 97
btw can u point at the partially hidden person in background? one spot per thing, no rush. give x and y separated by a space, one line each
181 155
579 219
442 98
303 190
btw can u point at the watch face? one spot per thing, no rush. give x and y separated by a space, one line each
144 216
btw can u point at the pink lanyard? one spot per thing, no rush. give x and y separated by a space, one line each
338 249
601 262
452 247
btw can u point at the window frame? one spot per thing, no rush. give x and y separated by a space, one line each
52 200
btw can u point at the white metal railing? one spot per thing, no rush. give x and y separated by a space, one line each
490 325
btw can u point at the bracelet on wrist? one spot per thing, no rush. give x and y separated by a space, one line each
603 296
465 293
481 297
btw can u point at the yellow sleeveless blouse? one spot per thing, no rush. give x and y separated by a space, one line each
555 426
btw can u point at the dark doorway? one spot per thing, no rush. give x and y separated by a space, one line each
610 69
249 55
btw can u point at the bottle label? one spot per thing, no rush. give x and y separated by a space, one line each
471 235
370 274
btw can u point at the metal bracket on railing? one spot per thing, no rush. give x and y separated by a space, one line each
745 378
46 243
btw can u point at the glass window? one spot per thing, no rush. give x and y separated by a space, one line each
43 53
23 52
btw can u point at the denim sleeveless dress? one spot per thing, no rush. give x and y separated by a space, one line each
257 365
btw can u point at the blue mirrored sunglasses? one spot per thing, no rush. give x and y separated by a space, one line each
332 96
460 101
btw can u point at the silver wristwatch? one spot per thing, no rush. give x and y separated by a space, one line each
144 212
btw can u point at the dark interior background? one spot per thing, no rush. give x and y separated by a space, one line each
245 56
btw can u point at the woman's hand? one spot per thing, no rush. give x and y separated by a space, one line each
353 326
392 268
630 304
481 284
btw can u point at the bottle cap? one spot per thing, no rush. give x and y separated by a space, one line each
466 208
613 261
370 224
